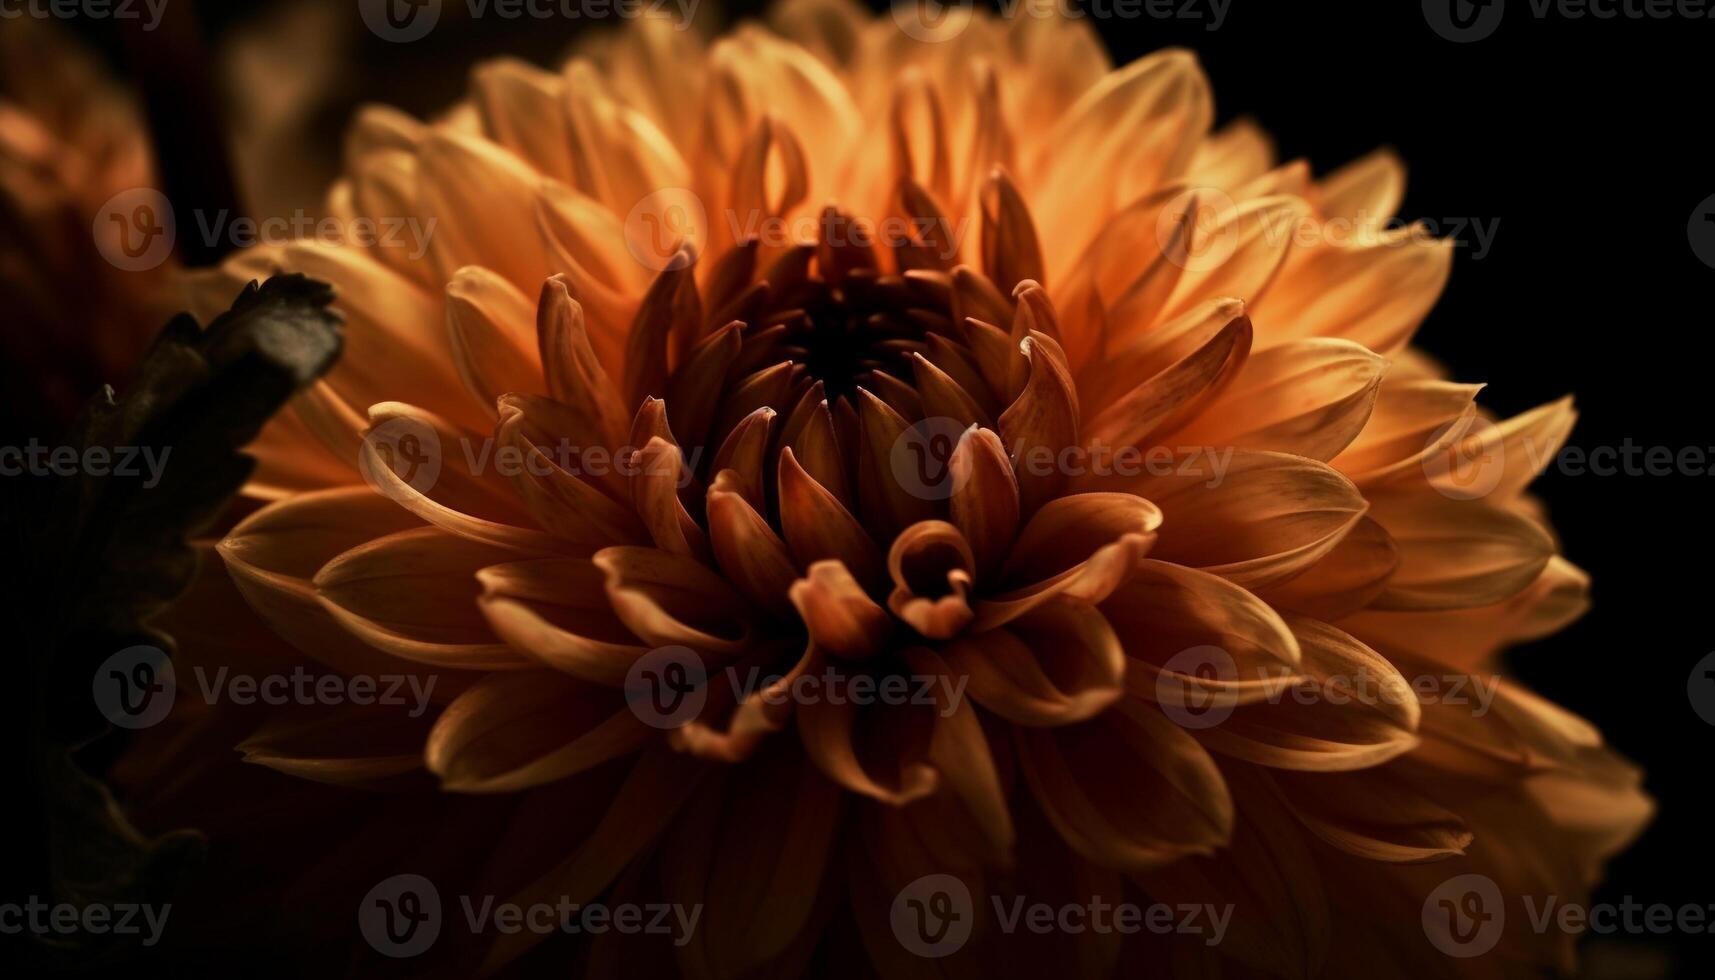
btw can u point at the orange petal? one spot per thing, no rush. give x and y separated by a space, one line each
413 594
518 730
1172 803
556 611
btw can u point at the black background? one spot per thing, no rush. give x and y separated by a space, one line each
1585 140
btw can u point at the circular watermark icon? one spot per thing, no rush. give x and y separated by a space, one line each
135 230
400 21
135 687
1469 466
1197 230
922 458
1701 231
1463 21
408 448
1463 917
933 21
1700 688
401 916
933 916
660 228
667 686
1192 705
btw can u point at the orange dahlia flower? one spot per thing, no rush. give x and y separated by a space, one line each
828 355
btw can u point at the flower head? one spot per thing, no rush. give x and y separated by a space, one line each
975 370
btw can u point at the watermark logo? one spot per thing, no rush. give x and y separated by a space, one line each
404 447
1463 21
922 458
933 916
1463 917
1471 464
1701 231
135 687
135 230
932 21
401 916
1700 688
1193 705
667 686
1197 230
400 21
668 229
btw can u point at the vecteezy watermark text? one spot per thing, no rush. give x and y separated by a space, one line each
404 21
42 918
136 688
401 917
35 459
935 915
147 11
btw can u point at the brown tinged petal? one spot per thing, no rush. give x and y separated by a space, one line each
658 474
1357 711
488 320
933 573
668 599
817 526
565 505
1165 611
984 505
881 754
1374 814
1344 580
753 557
1309 398
1056 665
413 594
839 616
1011 252
556 611
1255 518
1042 422
575 377
1457 554
885 503
1172 802
1177 393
